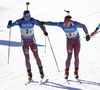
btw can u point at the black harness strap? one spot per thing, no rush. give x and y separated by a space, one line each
71 23
23 19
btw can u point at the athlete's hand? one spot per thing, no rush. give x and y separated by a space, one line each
10 22
87 37
45 33
42 22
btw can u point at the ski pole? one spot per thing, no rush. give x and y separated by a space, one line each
53 54
9 44
45 45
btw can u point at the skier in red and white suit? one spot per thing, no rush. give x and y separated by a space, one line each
26 25
73 40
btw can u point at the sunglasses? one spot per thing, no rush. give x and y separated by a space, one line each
67 22
27 16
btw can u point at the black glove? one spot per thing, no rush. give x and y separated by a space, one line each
87 37
42 22
45 33
10 22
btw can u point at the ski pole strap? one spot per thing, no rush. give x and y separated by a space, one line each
23 19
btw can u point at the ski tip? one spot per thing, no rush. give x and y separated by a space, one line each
44 51
8 62
59 71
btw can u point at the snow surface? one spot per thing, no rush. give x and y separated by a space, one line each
13 76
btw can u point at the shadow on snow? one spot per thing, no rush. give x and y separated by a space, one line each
87 82
13 43
56 85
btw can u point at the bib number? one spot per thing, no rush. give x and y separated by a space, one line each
27 32
70 35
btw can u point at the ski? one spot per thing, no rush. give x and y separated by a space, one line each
67 81
79 81
43 80
28 82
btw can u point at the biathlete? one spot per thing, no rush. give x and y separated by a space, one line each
26 25
73 40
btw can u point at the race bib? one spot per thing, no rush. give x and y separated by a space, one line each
71 35
27 32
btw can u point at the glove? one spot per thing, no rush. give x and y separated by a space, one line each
45 33
10 22
87 37
41 23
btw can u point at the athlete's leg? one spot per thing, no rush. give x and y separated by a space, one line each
76 55
25 47
35 53
34 49
68 61
26 53
76 52
69 53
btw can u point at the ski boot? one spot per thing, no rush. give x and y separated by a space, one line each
29 74
76 73
66 73
41 72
